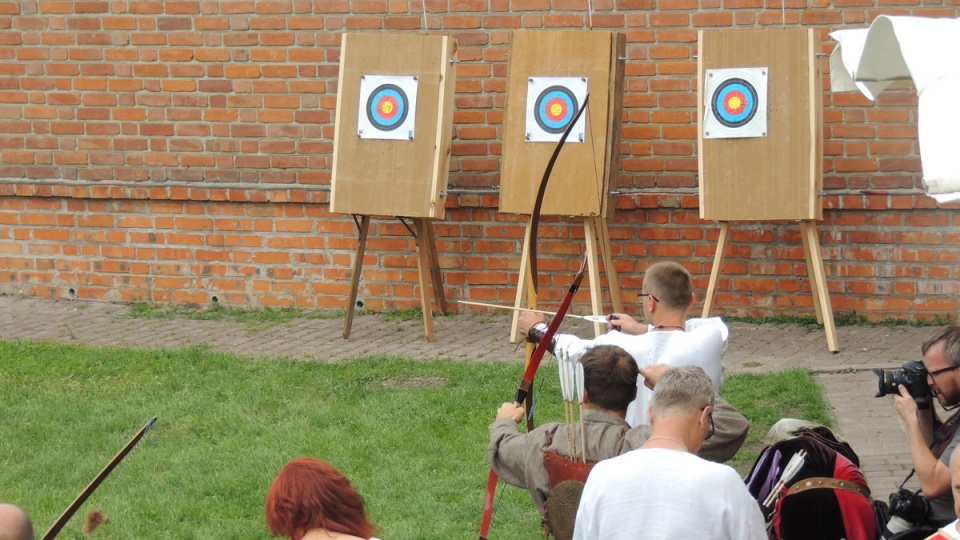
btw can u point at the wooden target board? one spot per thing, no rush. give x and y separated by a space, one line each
550 73
391 150
748 170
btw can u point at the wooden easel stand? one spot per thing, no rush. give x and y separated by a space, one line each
815 272
427 263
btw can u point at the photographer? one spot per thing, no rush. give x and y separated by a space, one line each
930 454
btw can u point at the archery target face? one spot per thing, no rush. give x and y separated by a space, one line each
388 107
555 108
736 103
552 102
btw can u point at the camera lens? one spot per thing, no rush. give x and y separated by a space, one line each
913 377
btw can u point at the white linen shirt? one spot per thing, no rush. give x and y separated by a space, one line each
703 344
661 494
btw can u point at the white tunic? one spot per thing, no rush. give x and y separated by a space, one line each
703 344
660 494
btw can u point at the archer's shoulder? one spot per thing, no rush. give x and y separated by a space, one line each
711 325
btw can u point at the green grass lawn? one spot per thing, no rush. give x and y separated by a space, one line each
410 435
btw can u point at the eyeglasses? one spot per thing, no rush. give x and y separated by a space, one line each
939 371
713 428
655 299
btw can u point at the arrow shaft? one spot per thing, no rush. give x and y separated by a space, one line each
75 505
591 318
511 308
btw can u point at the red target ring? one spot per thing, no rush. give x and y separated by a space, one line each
557 109
388 107
735 102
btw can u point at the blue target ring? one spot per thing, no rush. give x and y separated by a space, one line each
387 107
555 108
734 103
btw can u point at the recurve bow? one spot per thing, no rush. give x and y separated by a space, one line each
533 360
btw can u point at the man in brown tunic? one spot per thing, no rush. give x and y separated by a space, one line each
610 384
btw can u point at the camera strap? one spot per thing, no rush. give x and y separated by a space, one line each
946 430
943 433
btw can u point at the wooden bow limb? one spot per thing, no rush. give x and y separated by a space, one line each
538 203
75 505
590 318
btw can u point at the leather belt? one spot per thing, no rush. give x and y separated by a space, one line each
819 482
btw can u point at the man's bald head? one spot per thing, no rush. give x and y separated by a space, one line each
15 524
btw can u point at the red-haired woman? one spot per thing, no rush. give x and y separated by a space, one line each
311 500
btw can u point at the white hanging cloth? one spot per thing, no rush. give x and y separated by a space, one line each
923 50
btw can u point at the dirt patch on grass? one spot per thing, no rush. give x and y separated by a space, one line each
415 382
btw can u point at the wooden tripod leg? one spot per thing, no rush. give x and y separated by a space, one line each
814 284
525 288
613 281
715 271
596 299
430 242
355 277
818 282
423 269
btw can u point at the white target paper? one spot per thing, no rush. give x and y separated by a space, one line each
388 107
552 102
735 103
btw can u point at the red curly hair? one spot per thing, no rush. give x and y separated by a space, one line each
312 494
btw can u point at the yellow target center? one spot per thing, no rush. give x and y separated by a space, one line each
735 103
387 107
556 109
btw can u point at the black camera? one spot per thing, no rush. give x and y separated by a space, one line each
909 505
913 376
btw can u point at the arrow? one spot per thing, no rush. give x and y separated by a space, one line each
591 318
75 505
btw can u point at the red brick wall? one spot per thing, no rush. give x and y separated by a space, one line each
176 151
